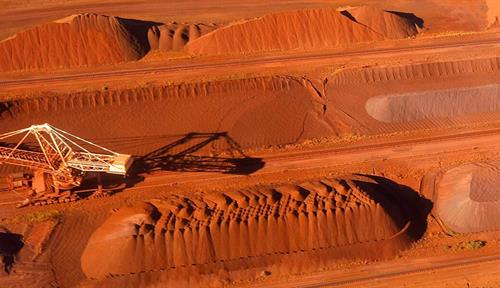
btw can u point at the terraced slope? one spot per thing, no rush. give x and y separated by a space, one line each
329 215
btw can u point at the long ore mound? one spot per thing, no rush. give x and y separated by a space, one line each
334 216
303 29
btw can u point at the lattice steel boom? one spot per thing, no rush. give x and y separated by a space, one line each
60 154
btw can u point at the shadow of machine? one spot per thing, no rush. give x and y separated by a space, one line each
187 154
61 162
164 159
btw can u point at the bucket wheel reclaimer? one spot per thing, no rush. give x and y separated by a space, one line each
59 161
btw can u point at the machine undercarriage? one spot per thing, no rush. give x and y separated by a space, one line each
58 162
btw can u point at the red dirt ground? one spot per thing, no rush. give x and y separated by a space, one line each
306 140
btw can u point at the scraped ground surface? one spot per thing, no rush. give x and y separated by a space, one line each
416 96
340 218
430 104
468 198
79 40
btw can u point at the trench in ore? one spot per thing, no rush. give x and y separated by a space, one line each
421 105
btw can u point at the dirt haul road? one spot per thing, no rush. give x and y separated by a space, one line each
415 150
407 150
488 41
414 273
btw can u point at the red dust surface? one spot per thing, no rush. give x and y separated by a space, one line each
241 177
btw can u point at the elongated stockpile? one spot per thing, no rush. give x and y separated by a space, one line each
254 112
330 215
468 198
303 29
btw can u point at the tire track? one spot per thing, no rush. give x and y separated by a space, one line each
460 263
248 62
